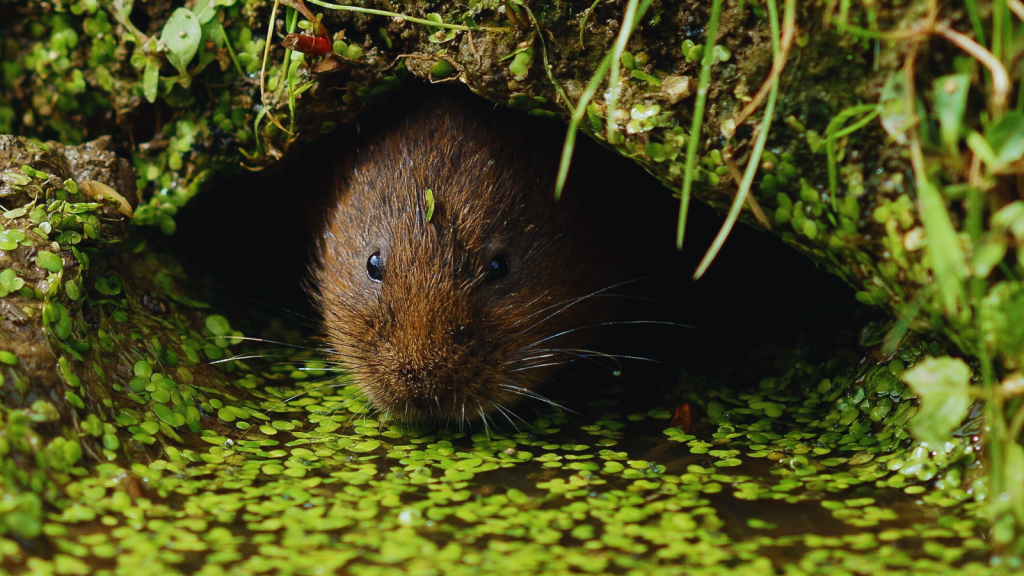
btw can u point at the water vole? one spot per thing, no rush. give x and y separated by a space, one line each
453 308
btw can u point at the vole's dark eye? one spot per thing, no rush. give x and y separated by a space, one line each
375 267
497 269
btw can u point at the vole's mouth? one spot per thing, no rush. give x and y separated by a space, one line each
459 407
455 398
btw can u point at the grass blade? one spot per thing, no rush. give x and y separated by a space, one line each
762 138
581 107
698 119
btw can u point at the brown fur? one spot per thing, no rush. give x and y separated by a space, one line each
433 339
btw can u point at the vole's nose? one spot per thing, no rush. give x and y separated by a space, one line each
428 375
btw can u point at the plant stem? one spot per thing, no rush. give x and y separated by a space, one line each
693 143
755 154
611 126
581 108
972 13
574 122
412 19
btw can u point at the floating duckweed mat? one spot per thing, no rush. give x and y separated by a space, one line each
308 480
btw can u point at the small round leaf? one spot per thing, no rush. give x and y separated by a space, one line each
181 35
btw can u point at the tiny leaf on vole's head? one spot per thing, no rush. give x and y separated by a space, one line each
429 195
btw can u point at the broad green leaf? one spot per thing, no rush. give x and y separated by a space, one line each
49 261
986 257
892 105
205 10
943 385
1009 218
1006 136
949 95
1002 320
977 143
181 35
214 32
945 255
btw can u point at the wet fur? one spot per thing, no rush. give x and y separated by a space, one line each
433 339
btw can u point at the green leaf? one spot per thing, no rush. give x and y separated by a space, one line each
384 35
9 282
986 257
367 446
108 285
1006 136
151 80
123 8
181 35
10 239
23 515
217 325
49 261
143 368
943 385
892 104
1009 218
441 69
977 143
214 32
949 95
164 412
429 195
641 75
1002 320
520 66
205 10
1014 471
446 34
945 254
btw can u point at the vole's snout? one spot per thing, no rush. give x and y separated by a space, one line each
424 384
428 369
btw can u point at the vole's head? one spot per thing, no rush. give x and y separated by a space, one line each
457 302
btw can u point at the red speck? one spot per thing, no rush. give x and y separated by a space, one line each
682 419
312 45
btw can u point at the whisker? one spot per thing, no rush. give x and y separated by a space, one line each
544 365
566 304
267 341
483 418
610 323
505 414
531 394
